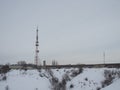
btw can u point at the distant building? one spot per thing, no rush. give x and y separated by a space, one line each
44 63
54 63
21 62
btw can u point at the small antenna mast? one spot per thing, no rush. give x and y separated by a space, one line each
104 57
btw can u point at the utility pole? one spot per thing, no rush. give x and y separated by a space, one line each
36 50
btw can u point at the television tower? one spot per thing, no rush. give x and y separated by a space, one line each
36 51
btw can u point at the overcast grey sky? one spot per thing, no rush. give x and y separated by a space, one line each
70 31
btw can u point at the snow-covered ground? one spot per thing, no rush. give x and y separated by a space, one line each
113 86
25 80
88 79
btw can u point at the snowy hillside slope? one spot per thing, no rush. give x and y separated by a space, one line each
62 79
25 80
113 86
91 78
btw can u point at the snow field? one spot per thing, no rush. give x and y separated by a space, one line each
88 79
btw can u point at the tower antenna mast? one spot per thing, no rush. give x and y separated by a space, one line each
37 50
